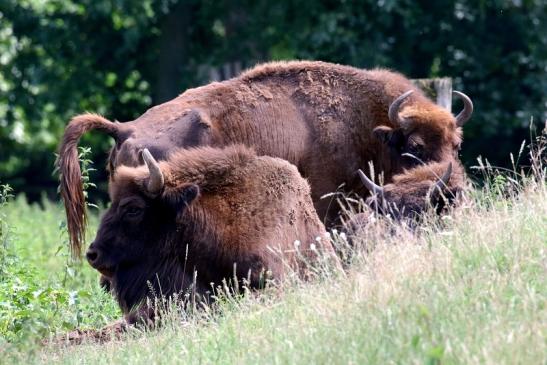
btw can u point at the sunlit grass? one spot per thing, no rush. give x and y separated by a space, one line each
41 290
473 292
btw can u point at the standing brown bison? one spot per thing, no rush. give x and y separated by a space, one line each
179 225
328 120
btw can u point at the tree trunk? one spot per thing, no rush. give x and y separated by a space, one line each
173 54
439 90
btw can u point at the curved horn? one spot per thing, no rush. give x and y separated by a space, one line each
370 185
393 112
443 181
155 182
71 188
465 114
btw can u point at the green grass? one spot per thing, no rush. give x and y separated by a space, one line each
41 291
466 289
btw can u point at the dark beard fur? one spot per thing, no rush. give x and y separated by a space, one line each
160 278
171 270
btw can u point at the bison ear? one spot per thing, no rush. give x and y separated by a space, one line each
383 133
391 137
181 197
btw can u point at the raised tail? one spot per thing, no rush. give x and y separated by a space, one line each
71 186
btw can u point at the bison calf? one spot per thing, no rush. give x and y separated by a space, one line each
416 190
204 216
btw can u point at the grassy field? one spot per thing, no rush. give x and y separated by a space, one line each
41 291
468 288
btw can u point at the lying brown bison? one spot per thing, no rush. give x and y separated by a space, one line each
411 193
328 120
201 217
429 188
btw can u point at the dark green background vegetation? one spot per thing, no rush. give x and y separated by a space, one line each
59 58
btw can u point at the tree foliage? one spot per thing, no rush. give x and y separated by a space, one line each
59 58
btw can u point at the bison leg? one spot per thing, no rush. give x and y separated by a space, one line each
145 316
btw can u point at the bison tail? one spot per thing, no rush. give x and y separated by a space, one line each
71 176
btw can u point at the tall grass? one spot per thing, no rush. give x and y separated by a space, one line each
471 292
41 291
469 287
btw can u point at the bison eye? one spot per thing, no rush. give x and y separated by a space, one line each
133 212
416 150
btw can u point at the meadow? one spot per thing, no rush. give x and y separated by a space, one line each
468 287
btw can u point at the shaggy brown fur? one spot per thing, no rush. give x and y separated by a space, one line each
220 211
71 185
412 192
407 198
328 120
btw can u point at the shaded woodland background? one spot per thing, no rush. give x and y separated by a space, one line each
59 58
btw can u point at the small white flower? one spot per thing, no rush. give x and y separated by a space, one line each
296 243
335 231
327 234
343 236
312 246
318 239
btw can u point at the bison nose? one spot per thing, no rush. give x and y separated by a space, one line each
92 256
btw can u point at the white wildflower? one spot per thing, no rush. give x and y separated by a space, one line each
312 246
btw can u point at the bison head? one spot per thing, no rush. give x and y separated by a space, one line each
416 190
132 247
422 131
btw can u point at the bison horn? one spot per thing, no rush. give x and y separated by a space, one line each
443 181
465 114
393 112
370 185
155 181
